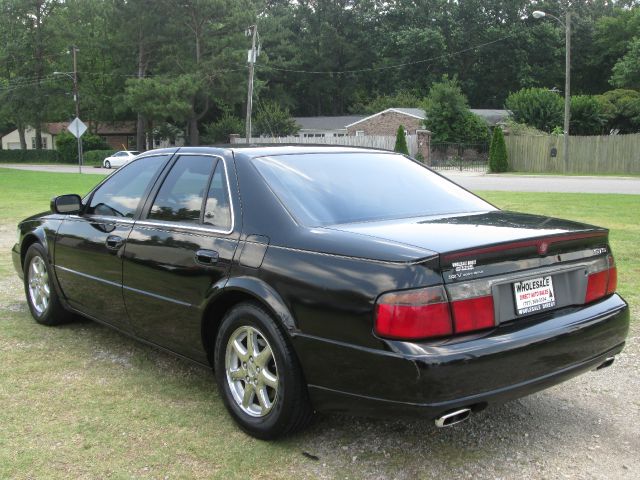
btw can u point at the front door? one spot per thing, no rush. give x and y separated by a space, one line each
178 252
89 247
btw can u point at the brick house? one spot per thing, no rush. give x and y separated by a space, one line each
387 121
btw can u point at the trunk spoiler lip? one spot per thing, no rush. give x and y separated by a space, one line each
541 243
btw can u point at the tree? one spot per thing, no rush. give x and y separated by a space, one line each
537 107
626 72
498 161
274 121
401 141
586 116
448 116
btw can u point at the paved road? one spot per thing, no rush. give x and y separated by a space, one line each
56 168
470 180
545 183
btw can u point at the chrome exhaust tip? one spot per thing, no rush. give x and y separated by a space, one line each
452 418
606 363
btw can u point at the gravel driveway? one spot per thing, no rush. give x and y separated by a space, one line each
585 428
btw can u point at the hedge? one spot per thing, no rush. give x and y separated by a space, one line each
95 157
30 156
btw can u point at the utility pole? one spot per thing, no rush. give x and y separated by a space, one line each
253 31
567 86
567 78
76 99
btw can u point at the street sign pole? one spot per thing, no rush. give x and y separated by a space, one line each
77 128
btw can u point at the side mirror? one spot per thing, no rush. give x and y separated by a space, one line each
66 204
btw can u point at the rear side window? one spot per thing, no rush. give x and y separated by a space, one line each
217 211
121 193
181 195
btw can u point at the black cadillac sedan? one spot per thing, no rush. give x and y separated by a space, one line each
328 278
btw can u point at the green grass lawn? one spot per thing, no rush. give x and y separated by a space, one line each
83 401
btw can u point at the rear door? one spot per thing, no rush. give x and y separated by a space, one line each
89 247
179 253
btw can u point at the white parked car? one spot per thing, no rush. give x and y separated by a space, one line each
119 158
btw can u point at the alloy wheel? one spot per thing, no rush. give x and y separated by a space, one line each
39 289
251 371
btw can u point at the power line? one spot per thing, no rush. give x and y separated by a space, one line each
388 67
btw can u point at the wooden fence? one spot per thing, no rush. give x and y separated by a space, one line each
590 155
371 141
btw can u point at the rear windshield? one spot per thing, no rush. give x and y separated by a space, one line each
327 189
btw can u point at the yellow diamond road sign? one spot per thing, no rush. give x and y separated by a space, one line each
77 127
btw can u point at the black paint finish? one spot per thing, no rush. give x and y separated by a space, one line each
167 283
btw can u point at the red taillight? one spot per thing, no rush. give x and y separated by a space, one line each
613 280
426 313
602 283
473 314
596 286
413 314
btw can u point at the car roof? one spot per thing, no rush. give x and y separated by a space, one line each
254 151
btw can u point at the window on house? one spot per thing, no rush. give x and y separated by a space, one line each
359 133
33 142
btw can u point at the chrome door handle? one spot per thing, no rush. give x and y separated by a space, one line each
207 257
114 242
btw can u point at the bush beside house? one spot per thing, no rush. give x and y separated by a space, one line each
29 156
67 145
448 117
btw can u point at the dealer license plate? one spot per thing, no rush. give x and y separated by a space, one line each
534 295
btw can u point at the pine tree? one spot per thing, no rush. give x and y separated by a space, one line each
401 142
498 152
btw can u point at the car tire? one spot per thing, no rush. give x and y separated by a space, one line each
107 164
42 298
262 408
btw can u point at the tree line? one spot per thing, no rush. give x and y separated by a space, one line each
178 67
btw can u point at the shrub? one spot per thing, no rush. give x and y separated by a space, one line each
67 145
274 121
498 152
621 110
401 142
448 116
29 156
95 157
537 107
218 131
586 116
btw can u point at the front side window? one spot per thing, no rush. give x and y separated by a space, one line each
181 196
120 195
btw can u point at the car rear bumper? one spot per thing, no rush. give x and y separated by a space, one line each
15 256
429 379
